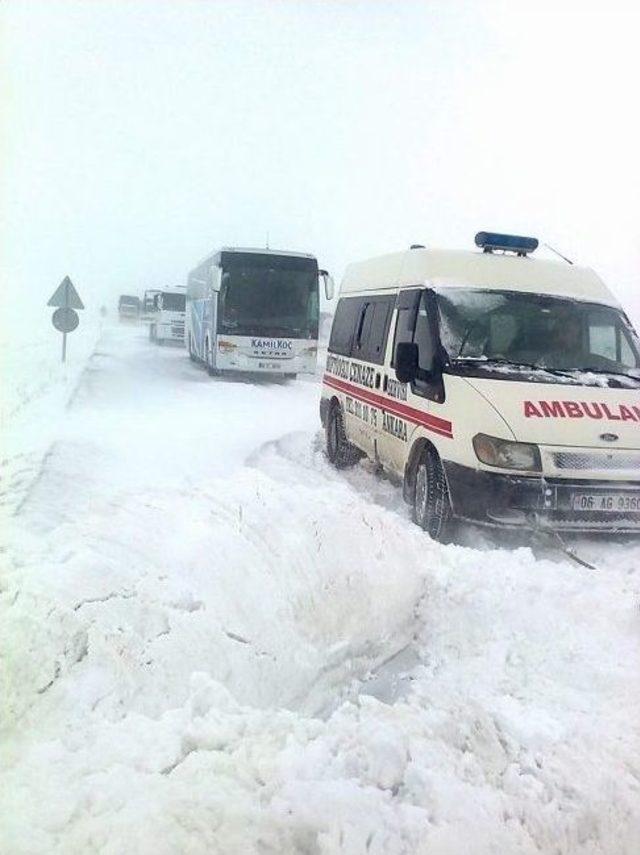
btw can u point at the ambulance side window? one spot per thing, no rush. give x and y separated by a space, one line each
363 331
413 324
371 338
344 323
607 339
407 304
423 337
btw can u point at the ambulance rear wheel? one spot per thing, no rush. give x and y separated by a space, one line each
340 451
431 504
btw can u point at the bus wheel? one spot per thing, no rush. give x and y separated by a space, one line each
431 504
290 376
340 451
211 371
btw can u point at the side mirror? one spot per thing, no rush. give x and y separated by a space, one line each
329 287
406 361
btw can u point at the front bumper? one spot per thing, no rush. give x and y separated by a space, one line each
519 501
170 332
237 361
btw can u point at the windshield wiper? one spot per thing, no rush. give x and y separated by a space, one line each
528 365
612 372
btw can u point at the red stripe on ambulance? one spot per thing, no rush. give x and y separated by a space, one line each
432 423
581 410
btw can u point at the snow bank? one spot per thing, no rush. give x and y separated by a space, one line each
36 387
214 643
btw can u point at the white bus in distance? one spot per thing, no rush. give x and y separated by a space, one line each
255 311
168 318
500 389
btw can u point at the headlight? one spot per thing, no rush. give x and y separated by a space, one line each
506 454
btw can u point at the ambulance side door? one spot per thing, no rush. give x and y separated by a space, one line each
367 354
414 322
343 331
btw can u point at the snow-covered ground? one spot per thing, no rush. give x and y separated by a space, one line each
213 643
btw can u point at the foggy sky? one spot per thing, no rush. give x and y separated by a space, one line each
140 136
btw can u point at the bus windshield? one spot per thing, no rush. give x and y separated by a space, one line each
535 330
261 300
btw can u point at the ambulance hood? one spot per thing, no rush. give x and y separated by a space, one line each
563 414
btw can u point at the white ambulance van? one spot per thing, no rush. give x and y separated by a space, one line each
502 389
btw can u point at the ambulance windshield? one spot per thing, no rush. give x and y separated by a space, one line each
535 331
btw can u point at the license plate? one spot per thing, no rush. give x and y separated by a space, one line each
269 366
614 502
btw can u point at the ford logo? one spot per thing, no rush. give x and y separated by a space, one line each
609 437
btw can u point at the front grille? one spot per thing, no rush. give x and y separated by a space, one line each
596 460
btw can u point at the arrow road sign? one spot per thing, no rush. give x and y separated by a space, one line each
65 296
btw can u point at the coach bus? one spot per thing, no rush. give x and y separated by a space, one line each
255 311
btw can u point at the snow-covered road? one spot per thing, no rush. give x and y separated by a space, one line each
213 643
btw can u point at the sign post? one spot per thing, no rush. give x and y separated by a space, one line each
65 319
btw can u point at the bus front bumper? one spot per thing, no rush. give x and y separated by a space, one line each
519 501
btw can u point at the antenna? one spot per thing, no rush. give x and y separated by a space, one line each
559 254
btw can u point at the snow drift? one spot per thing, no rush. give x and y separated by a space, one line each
212 642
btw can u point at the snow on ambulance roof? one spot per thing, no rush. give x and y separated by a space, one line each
463 268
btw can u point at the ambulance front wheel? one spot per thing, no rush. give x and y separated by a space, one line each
431 504
339 450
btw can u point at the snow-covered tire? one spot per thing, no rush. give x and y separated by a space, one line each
192 355
340 451
208 355
431 503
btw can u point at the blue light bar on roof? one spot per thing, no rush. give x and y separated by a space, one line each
488 241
